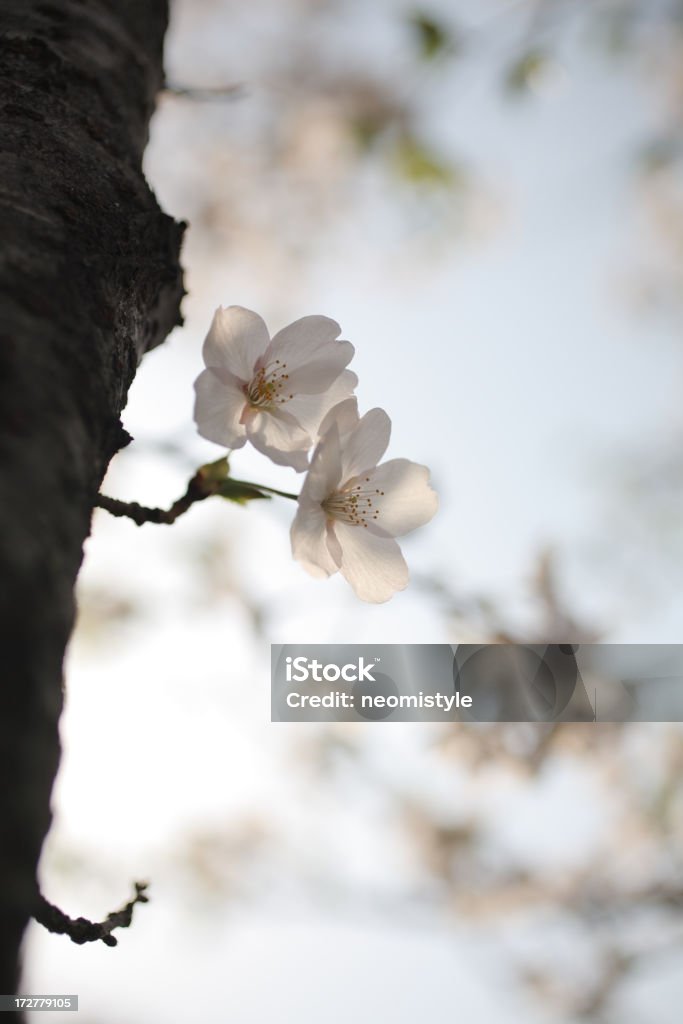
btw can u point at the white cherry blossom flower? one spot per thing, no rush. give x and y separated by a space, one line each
351 508
273 393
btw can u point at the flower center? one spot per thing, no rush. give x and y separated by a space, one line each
356 504
266 387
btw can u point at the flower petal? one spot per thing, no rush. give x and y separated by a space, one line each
280 436
373 565
407 502
304 339
311 409
344 414
309 541
217 410
324 474
236 340
321 373
333 545
312 357
366 444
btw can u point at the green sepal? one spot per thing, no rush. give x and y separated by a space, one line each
241 493
213 473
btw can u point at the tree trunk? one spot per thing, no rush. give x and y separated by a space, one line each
89 282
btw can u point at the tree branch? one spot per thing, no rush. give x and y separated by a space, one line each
81 930
203 484
141 514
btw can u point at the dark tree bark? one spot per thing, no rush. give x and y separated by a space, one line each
89 282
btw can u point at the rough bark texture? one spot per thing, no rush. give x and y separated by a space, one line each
89 281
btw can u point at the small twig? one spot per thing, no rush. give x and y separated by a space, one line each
141 514
81 930
206 93
202 485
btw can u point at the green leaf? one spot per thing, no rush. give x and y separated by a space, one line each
521 73
431 35
659 154
420 165
367 128
239 492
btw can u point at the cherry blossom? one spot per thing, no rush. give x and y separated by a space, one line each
351 508
272 392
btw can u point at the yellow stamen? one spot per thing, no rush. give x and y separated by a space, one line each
354 504
264 390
